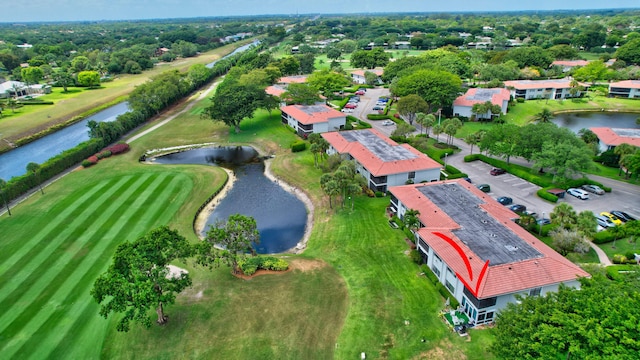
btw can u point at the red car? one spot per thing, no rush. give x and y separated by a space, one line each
360 92
350 106
497 171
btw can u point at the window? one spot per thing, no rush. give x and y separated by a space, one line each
535 292
412 175
437 257
449 286
450 271
435 271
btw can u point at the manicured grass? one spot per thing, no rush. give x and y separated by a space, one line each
54 246
522 113
621 246
295 315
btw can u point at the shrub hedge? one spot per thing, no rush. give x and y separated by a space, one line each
619 272
250 265
378 117
298 146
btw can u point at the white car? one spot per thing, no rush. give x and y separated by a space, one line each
387 122
579 193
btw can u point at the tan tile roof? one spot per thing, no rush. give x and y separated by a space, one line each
541 84
409 159
628 84
378 72
480 96
312 114
615 137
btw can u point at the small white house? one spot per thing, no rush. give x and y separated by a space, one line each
628 89
380 160
358 77
308 119
463 105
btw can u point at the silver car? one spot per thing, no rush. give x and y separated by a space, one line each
593 189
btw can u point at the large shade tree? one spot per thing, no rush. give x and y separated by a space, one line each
139 278
599 321
234 102
438 88
409 106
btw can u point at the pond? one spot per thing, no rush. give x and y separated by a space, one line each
577 121
281 217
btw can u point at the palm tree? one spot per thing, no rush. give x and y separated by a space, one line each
34 168
623 150
411 219
3 185
564 216
544 116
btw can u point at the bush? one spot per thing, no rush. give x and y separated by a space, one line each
519 100
298 146
378 117
544 194
249 266
379 194
87 163
104 154
415 256
602 237
118 148
619 259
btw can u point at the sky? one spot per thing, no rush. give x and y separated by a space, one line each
80 10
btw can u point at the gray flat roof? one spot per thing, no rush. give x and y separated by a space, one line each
380 148
312 109
626 132
483 94
481 232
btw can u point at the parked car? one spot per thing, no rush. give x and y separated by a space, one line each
530 213
378 107
497 171
468 180
543 221
360 92
593 189
622 215
387 122
579 193
384 100
351 106
611 217
517 208
604 221
484 188
346 110
504 200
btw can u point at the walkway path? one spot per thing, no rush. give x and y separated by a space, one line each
604 259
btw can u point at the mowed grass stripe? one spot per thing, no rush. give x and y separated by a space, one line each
50 268
29 249
40 309
27 230
31 267
63 334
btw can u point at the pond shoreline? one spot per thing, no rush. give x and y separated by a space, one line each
208 208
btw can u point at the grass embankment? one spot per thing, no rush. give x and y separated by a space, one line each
32 119
523 113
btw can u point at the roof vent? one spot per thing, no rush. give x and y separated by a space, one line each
511 247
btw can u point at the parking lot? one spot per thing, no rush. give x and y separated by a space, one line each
623 197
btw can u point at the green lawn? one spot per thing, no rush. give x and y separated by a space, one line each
55 245
620 246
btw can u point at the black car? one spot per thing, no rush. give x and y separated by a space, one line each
517 208
504 200
622 215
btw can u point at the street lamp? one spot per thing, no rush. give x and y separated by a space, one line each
445 159
439 114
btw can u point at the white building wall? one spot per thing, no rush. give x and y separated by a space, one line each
358 79
336 123
322 127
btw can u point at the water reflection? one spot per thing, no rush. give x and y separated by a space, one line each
577 121
281 217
